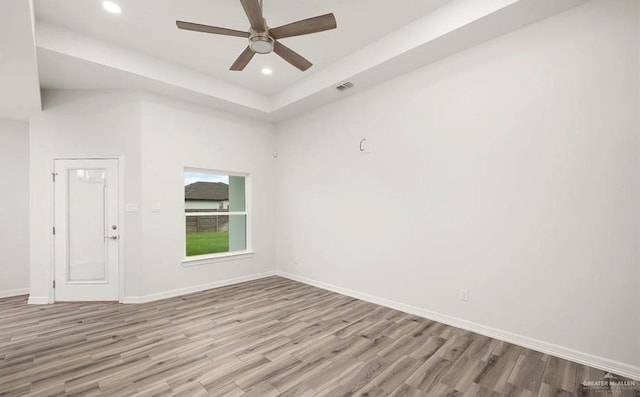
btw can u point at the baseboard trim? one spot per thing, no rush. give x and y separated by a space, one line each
195 288
14 292
591 360
38 300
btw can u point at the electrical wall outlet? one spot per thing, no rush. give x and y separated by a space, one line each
464 295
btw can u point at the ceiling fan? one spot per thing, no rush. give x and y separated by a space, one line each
262 39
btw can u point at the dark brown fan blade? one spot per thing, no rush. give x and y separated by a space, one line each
243 60
254 13
291 56
210 29
306 26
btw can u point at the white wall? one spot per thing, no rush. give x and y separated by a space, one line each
175 136
14 208
156 138
510 170
83 123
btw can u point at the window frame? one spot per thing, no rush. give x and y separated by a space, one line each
195 260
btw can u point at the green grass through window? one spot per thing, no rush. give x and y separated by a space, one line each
202 243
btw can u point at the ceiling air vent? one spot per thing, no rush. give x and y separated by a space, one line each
344 86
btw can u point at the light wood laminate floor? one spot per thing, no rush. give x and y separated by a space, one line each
270 337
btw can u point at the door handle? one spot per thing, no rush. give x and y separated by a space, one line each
112 237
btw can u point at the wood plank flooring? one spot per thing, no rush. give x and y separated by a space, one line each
271 337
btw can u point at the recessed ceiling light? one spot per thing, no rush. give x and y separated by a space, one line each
111 7
267 71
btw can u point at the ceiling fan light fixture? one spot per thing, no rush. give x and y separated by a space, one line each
261 44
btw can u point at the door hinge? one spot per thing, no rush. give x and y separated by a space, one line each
54 230
54 283
53 175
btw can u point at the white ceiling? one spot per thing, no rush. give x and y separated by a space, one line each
149 27
77 45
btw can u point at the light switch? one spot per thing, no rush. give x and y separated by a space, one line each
155 207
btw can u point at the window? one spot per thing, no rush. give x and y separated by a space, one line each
216 213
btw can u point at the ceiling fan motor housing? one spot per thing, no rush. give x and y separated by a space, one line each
260 42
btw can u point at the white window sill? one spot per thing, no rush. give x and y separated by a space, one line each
214 258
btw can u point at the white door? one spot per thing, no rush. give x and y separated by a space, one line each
86 230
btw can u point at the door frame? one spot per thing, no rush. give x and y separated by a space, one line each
121 215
